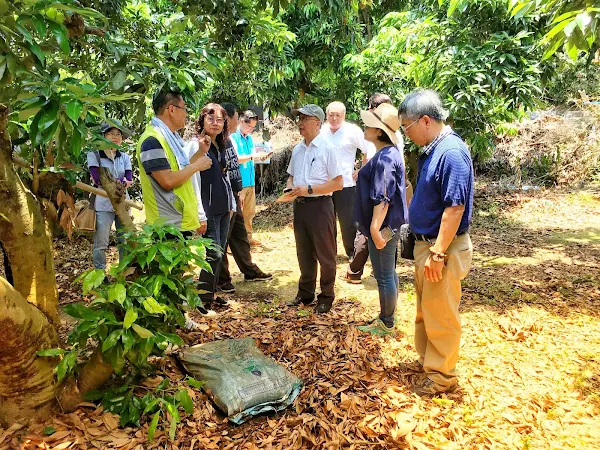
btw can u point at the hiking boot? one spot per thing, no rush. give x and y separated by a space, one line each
300 301
260 276
429 388
323 308
377 328
228 288
352 279
206 311
411 366
220 301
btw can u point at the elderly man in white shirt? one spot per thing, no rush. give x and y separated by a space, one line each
347 139
314 174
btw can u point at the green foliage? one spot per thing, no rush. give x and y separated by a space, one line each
131 319
573 24
487 73
571 78
137 315
135 404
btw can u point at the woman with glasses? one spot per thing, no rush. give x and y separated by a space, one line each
380 209
216 192
119 165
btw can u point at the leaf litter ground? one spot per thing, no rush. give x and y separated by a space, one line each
530 357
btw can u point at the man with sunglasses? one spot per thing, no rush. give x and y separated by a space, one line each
314 174
439 216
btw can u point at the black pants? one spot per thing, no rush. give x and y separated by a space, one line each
240 249
314 230
343 202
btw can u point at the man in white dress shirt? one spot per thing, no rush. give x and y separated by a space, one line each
347 139
314 174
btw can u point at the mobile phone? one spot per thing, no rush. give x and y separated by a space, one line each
387 234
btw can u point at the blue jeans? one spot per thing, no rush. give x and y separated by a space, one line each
384 267
104 221
217 228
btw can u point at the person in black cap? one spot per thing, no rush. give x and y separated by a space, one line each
314 174
119 165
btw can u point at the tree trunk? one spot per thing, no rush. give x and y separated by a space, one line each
25 234
92 376
26 380
116 194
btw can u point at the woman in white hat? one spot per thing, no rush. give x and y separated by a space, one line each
380 209
119 165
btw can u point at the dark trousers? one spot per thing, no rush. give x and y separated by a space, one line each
360 257
343 202
238 242
314 230
216 229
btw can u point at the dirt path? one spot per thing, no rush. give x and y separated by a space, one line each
530 357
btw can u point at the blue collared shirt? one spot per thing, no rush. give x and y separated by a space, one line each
381 180
444 179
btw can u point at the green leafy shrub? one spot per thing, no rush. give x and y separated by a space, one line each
137 315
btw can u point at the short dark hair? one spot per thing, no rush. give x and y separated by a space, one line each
377 99
249 115
163 99
230 108
383 137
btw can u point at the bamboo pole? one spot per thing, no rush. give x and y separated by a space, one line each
84 187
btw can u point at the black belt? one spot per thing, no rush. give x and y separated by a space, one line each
422 237
311 199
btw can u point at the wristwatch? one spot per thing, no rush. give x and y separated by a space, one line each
310 191
437 257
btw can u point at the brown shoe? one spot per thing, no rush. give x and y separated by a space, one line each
411 366
429 388
348 279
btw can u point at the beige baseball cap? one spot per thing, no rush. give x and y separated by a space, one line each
384 117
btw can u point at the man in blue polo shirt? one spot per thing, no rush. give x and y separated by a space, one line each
439 216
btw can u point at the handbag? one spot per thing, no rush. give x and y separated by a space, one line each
85 216
407 242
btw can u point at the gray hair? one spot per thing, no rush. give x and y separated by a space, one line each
336 105
423 102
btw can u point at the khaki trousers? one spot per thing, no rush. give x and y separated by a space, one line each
248 196
437 324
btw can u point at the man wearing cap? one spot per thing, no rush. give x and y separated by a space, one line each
347 138
314 174
439 216
119 165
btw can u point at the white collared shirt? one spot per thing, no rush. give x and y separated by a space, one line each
347 140
314 164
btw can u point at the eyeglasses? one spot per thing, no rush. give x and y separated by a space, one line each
114 133
305 118
216 120
403 128
184 108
